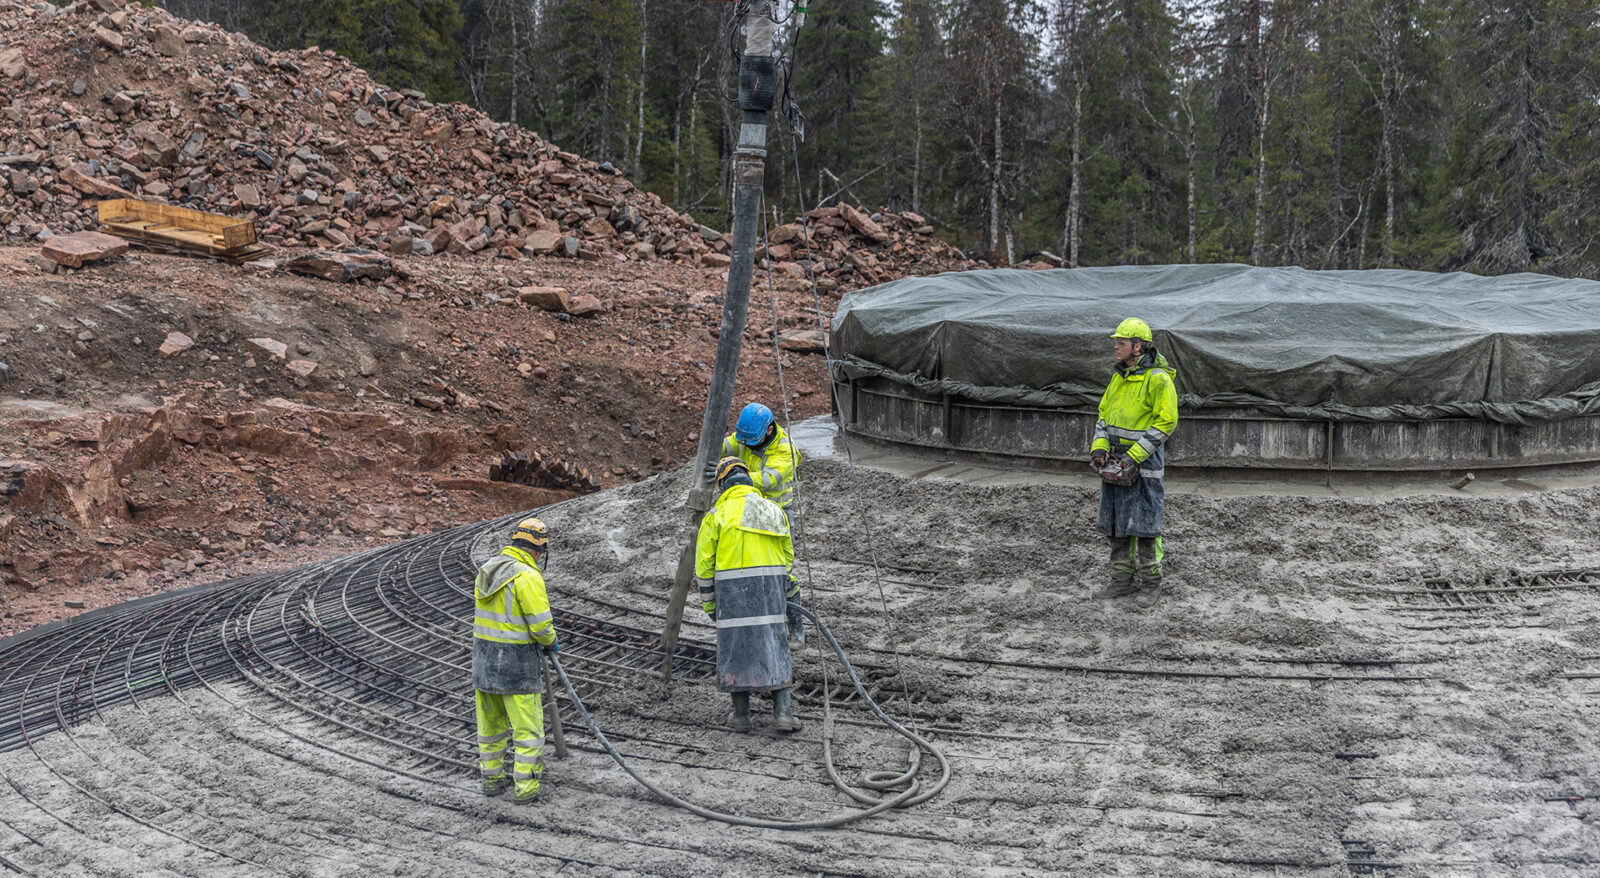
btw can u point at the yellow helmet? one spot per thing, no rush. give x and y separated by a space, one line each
1133 327
533 533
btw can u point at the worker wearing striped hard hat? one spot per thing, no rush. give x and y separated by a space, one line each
512 628
743 554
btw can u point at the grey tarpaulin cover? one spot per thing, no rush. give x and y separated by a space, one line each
1345 345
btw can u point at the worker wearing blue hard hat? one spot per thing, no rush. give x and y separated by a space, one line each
771 460
764 447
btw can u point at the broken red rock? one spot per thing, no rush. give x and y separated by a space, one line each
79 248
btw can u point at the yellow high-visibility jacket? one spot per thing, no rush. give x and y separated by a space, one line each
772 468
1139 409
744 537
511 620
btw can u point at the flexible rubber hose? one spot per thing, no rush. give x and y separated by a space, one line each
913 795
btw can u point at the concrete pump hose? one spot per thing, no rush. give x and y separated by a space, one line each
911 796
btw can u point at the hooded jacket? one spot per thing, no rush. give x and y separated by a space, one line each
511 620
771 465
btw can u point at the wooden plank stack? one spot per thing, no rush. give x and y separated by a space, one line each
164 227
532 468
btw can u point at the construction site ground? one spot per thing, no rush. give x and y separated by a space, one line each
1374 677
1376 681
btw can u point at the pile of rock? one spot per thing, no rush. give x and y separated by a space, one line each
849 247
108 99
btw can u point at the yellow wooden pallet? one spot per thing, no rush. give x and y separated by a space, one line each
162 226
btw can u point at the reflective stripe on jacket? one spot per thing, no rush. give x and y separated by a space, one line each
743 554
511 619
1139 409
743 531
772 468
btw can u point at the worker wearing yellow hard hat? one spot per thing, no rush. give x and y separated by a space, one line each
512 628
1138 412
743 555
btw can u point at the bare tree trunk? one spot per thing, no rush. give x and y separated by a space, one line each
1258 244
994 184
694 140
1361 242
1526 146
644 39
1387 259
916 165
1074 229
1190 151
677 154
516 66
605 114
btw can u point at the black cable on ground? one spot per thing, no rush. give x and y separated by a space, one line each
880 780
913 795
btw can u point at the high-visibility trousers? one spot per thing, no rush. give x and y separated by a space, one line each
516 721
1141 556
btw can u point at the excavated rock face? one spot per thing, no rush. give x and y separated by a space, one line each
133 102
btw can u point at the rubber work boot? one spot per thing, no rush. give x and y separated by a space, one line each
1121 564
1121 585
783 710
528 799
494 786
1149 551
741 712
1149 592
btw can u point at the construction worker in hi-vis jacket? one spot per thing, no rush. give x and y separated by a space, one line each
767 453
1137 413
743 555
512 629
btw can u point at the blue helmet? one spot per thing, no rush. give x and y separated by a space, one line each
753 423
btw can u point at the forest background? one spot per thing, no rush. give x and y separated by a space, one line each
1331 134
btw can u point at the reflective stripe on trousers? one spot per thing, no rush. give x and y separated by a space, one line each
517 722
747 621
1141 555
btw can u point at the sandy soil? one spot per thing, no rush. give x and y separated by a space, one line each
1330 688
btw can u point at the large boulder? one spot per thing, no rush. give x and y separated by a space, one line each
79 248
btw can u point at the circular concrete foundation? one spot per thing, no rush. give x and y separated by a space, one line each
887 411
1276 368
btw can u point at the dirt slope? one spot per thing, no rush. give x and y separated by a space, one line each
167 420
124 470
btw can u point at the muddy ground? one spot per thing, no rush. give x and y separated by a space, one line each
1392 682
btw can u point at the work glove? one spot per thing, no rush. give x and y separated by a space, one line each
710 607
1097 460
1120 470
711 472
552 648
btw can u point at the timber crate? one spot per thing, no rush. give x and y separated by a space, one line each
164 226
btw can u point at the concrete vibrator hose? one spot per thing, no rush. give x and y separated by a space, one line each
882 781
